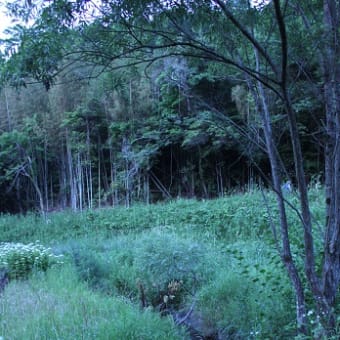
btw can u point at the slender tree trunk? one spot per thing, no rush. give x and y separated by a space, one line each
139 186
71 177
40 197
114 183
114 176
99 179
286 254
324 309
105 180
63 180
127 185
89 183
18 195
46 175
9 119
34 181
159 185
201 174
146 188
219 180
113 186
331 69
171 169
79 180
51 193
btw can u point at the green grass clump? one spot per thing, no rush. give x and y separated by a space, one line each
162 266
92 268
21 259
225 304
58 306
172 268
250 297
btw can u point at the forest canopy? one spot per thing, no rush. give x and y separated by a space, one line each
151 100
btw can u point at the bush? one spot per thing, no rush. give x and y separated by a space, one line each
171 268
91 269
226 306
20 259
250 297
158 269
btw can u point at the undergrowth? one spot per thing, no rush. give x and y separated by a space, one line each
58 306
133 273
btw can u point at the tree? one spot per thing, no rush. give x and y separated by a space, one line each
18 162
256 45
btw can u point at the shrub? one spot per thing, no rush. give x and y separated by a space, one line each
170 268
158 268
105 265
91 268
250 297
226 306
20 259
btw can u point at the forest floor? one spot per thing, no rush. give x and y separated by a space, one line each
175 270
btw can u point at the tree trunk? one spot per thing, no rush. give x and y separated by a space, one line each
99 179
33 179
88 169
146 188
201 174
63 180
45 174
331 70
285 252
71 177
8 112
323 304
79 179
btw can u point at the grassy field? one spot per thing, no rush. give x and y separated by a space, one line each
165 271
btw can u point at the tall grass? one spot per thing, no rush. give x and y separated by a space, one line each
241 216
126 267
58 306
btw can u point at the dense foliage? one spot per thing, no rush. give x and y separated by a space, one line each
20 260
145 126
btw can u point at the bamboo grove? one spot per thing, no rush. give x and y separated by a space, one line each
136 128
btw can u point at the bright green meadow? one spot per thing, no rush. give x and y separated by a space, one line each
165 271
